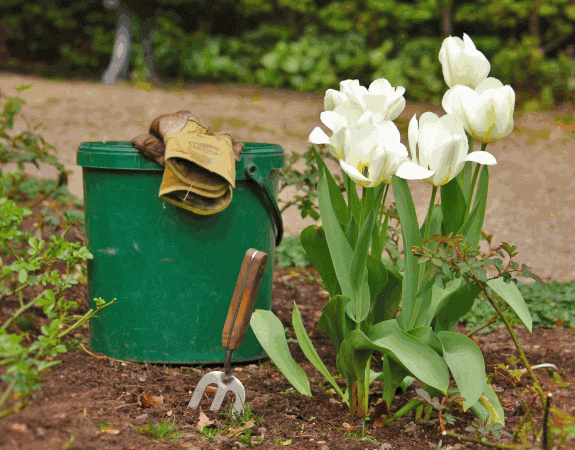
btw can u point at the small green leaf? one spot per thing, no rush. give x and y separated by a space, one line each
466 363
269 331
511 295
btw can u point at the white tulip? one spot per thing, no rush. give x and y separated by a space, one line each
462 63
486 112
440 145
373 153
383 101
349 91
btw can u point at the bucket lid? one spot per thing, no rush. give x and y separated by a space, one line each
121 155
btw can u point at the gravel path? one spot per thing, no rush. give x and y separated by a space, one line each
532 193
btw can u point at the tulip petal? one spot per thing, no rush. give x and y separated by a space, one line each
408 170
332 99
354 174
482 157
318 136
412 137
333 120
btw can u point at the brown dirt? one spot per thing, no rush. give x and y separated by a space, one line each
95 400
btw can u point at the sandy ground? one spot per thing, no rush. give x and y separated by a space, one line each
532 192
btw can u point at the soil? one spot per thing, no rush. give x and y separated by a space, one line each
90 401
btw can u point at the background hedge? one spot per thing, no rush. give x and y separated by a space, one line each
306 45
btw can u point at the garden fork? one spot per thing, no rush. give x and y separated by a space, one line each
235 328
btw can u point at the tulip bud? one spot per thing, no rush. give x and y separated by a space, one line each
486 112
462 63
439 144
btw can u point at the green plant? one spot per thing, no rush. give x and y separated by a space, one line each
25 147
290 253
247 440
165 430
304 181
30 283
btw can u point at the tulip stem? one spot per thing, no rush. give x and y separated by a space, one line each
474 180
429 217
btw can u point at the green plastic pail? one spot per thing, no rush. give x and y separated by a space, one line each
171 271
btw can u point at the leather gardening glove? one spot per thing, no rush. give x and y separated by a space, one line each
151 146
199 170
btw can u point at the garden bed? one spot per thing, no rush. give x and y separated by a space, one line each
93 402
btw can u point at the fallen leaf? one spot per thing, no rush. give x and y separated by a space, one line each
142 378
210 390
109 430
235 431
149 400
203 421
169 413
21 427
378 413
85 411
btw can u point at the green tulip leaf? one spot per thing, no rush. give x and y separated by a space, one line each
354 203
308 349
453 207
359 307
411 238
387 300
351 231
335 194
490 401
376 276
334 321
466 363
269 332
428 337
339 248
472 228
418 358
511 295
454 304
314 242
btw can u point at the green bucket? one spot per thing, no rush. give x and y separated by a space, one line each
171 271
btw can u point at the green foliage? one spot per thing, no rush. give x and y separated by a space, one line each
273 44
165 430
30 283
290 253
550 304
305 181
35 272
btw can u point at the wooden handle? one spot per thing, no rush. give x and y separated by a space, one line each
244 298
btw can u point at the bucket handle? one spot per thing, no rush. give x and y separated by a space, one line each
251 172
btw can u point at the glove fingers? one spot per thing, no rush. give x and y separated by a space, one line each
150 147
169 123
